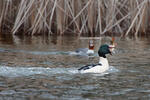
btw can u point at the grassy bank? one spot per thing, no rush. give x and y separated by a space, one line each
75 16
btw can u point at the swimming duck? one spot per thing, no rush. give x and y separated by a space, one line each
103 64
87 51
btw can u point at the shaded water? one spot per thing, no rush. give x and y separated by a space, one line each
45 68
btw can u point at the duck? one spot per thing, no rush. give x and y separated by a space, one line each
103 64
86 51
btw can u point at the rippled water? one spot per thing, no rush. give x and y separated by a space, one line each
45 68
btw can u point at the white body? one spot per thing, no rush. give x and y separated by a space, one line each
98 68
90 51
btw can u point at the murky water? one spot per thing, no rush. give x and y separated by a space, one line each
45 68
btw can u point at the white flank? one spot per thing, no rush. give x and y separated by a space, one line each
99 68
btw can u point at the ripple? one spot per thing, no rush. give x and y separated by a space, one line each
124 91
112 69
8 92
36 52
72 53
23 71
48 53
27 71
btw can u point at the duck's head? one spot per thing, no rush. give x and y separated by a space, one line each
105 49
91 45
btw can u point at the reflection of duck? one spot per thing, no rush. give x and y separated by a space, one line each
103 65
88 51
112 44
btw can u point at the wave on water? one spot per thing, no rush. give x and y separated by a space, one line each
7 71
35 52
72 53
112 69
27 71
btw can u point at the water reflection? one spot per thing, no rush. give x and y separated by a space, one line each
6 39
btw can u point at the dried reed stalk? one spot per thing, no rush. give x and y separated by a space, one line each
91 16
77 16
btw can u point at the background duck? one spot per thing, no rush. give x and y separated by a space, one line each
86 51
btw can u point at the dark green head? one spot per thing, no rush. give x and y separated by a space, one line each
103 50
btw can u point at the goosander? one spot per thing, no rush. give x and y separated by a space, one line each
103 64
87 51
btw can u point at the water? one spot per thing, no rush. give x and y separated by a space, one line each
45 68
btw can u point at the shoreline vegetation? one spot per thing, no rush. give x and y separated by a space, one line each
92 17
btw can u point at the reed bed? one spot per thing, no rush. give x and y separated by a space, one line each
75 16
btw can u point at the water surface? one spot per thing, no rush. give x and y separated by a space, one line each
45 68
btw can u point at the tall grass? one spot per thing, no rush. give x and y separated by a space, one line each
75 16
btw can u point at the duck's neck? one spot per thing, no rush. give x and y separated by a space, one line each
103 61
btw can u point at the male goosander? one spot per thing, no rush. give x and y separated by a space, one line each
103 65
87 51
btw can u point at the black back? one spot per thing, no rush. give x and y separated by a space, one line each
88 66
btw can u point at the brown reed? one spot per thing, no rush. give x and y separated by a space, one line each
75 16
